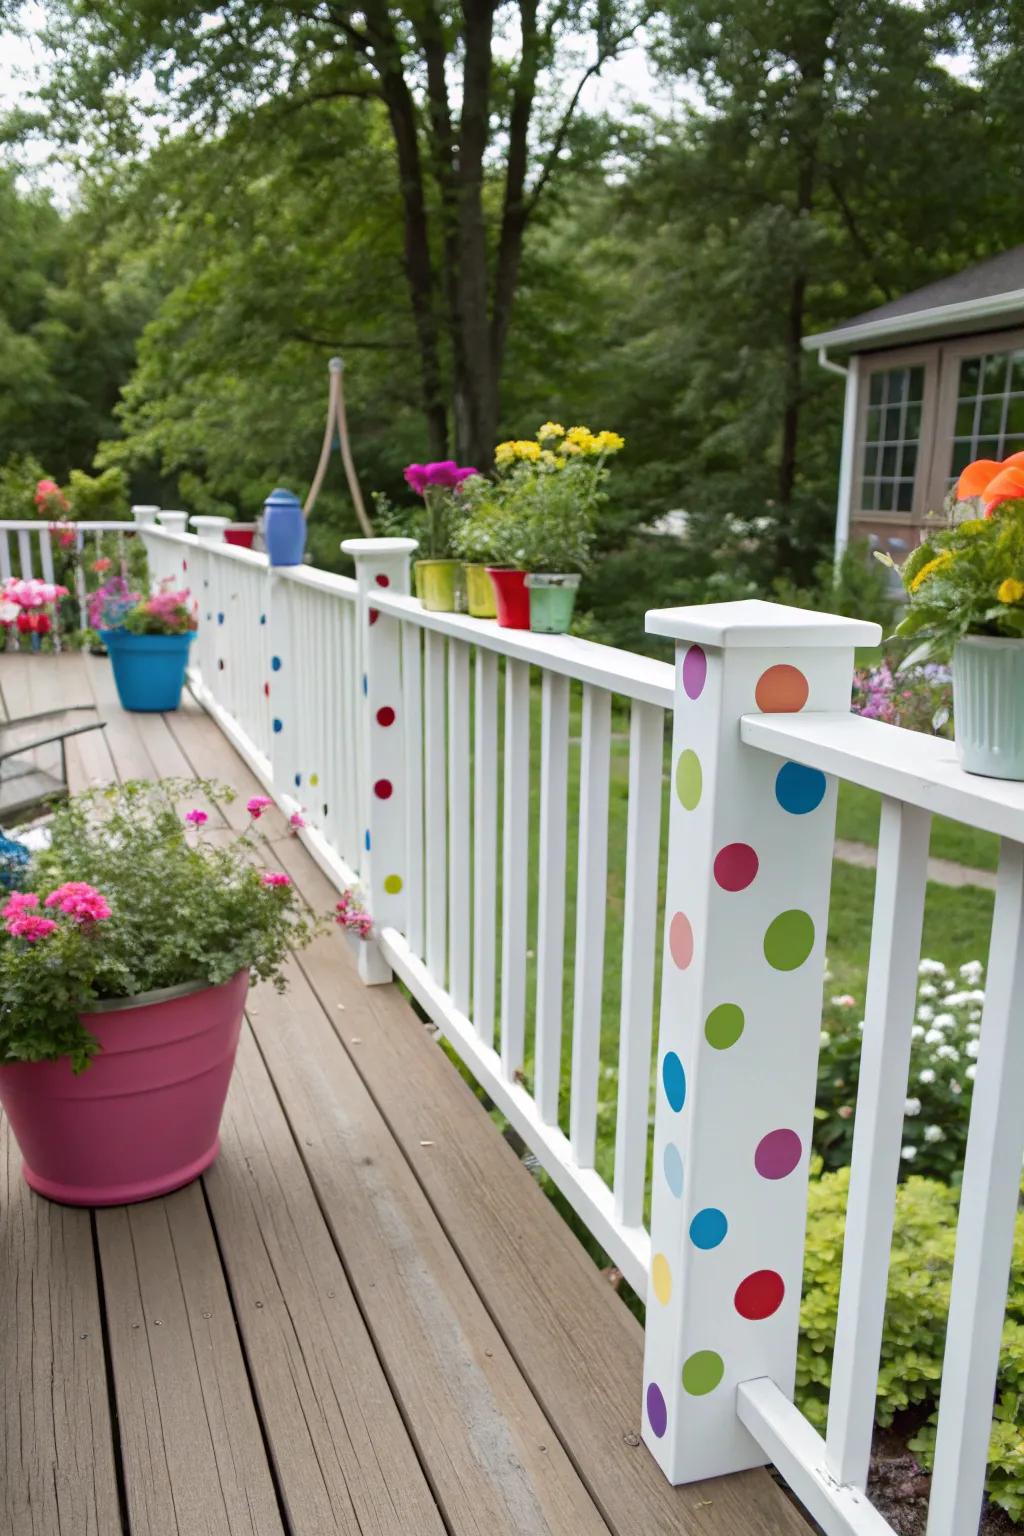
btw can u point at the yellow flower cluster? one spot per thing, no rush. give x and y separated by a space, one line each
1010 591
940 561
578 440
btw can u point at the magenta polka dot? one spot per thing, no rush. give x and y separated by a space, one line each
735 866
777 1154
657 1413
695 672
680 940
383 789
382 580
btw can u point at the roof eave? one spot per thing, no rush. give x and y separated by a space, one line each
1001 308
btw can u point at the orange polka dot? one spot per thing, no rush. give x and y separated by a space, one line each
781 690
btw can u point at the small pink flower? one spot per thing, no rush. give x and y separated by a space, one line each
844 1111
81 901
19 902
275 877
30 928
196 818
257 805
296 820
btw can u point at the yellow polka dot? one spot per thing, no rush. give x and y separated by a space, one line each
314 778
393 884
661 1278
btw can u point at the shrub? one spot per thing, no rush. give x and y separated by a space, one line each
913 1338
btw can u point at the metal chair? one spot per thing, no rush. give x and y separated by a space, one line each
23 784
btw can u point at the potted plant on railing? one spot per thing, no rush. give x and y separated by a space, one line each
25 607
438 574
125 958
148 641
965 585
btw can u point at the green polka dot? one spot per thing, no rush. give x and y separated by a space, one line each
689 779
702 1372
723 1026
393 884
789 940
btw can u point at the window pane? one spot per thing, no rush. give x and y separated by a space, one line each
908 460
886 495
892 424
963 453
1015 416
986 448
897 385
873 428
990 419
905 496
877 388
964 418
970 377
993 374
1017 372
916 386
870 466
912 423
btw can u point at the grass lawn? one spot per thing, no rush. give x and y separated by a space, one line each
859 811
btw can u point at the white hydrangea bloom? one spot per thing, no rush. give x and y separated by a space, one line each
825 1037
934 1037
908 1154
927 990
954 1086
948 1053
957 999
931 968
972 1047
917 1033
972 971
927 1076
971 1072
912 1107
934 1133
948 986
944 1021
977 996
925 1014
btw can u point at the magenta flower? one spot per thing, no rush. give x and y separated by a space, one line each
196 818
29 927
257 805
445 474
81 901
275 877
18 903
296 820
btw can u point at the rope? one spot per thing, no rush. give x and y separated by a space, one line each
336 417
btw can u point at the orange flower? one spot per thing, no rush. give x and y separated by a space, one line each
993 482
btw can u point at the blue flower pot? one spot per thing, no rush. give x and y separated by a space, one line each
284 528
149 670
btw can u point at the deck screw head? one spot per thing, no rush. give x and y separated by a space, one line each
259 1303
207 1314
631 1439
158 1321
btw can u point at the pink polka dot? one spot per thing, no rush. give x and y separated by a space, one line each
695 672
760 1294
382 580
735 866
777 1154
680 940
383 789
385 715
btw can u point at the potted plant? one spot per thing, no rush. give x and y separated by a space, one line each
125 958
487 540
439 583
25 607
148 641
965 585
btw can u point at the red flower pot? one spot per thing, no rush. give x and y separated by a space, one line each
240 533
511 597
143 1117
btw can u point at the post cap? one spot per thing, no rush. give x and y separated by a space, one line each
203 520
357 547
280 496
751 623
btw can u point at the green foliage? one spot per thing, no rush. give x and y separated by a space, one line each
18 480
967 579
913 1339
182 908
98 498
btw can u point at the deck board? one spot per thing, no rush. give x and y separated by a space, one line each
367 1320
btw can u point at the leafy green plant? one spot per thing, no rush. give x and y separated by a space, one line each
942 1064
131 896
913 1339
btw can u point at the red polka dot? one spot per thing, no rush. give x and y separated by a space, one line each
382 580
735 866
781 690
760 1294
266 690
680 940
374 615
386 715
383 789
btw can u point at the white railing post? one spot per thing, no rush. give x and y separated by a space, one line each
746 910
382 565
210 529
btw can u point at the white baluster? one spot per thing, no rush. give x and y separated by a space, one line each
554 766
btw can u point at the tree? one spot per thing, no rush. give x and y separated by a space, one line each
480 119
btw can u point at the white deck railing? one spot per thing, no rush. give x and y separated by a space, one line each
406 738
27 549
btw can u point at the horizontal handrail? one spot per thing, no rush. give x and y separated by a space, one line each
604 666
322 581
95 525
906 765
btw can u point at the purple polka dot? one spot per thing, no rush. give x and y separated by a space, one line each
777 1154
695 672
735 866
657 1413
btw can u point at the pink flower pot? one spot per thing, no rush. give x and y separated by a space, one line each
511 597
142 1119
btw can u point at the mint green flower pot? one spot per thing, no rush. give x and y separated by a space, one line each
552 600
988 705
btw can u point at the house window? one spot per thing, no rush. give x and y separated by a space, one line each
989 421
892 439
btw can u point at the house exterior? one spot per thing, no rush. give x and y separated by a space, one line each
934 380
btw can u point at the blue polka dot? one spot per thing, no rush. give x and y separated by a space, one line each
799 789
672 1163
708 1228
263 618
366 684
674 1079
366 839
275 663
298 781
220 618
278 726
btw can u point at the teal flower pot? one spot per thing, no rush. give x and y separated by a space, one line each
988 705
149 670
552 600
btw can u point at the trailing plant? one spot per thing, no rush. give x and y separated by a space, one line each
131 896
165 612
918 698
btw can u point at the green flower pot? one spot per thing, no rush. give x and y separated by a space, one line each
440 585
988 705
552 600
480 592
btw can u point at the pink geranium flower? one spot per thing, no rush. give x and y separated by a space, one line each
19 902
296 820
196 818
257 805
445 474
78 900
30 927
275 877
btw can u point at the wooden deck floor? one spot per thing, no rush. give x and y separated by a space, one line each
365 1319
